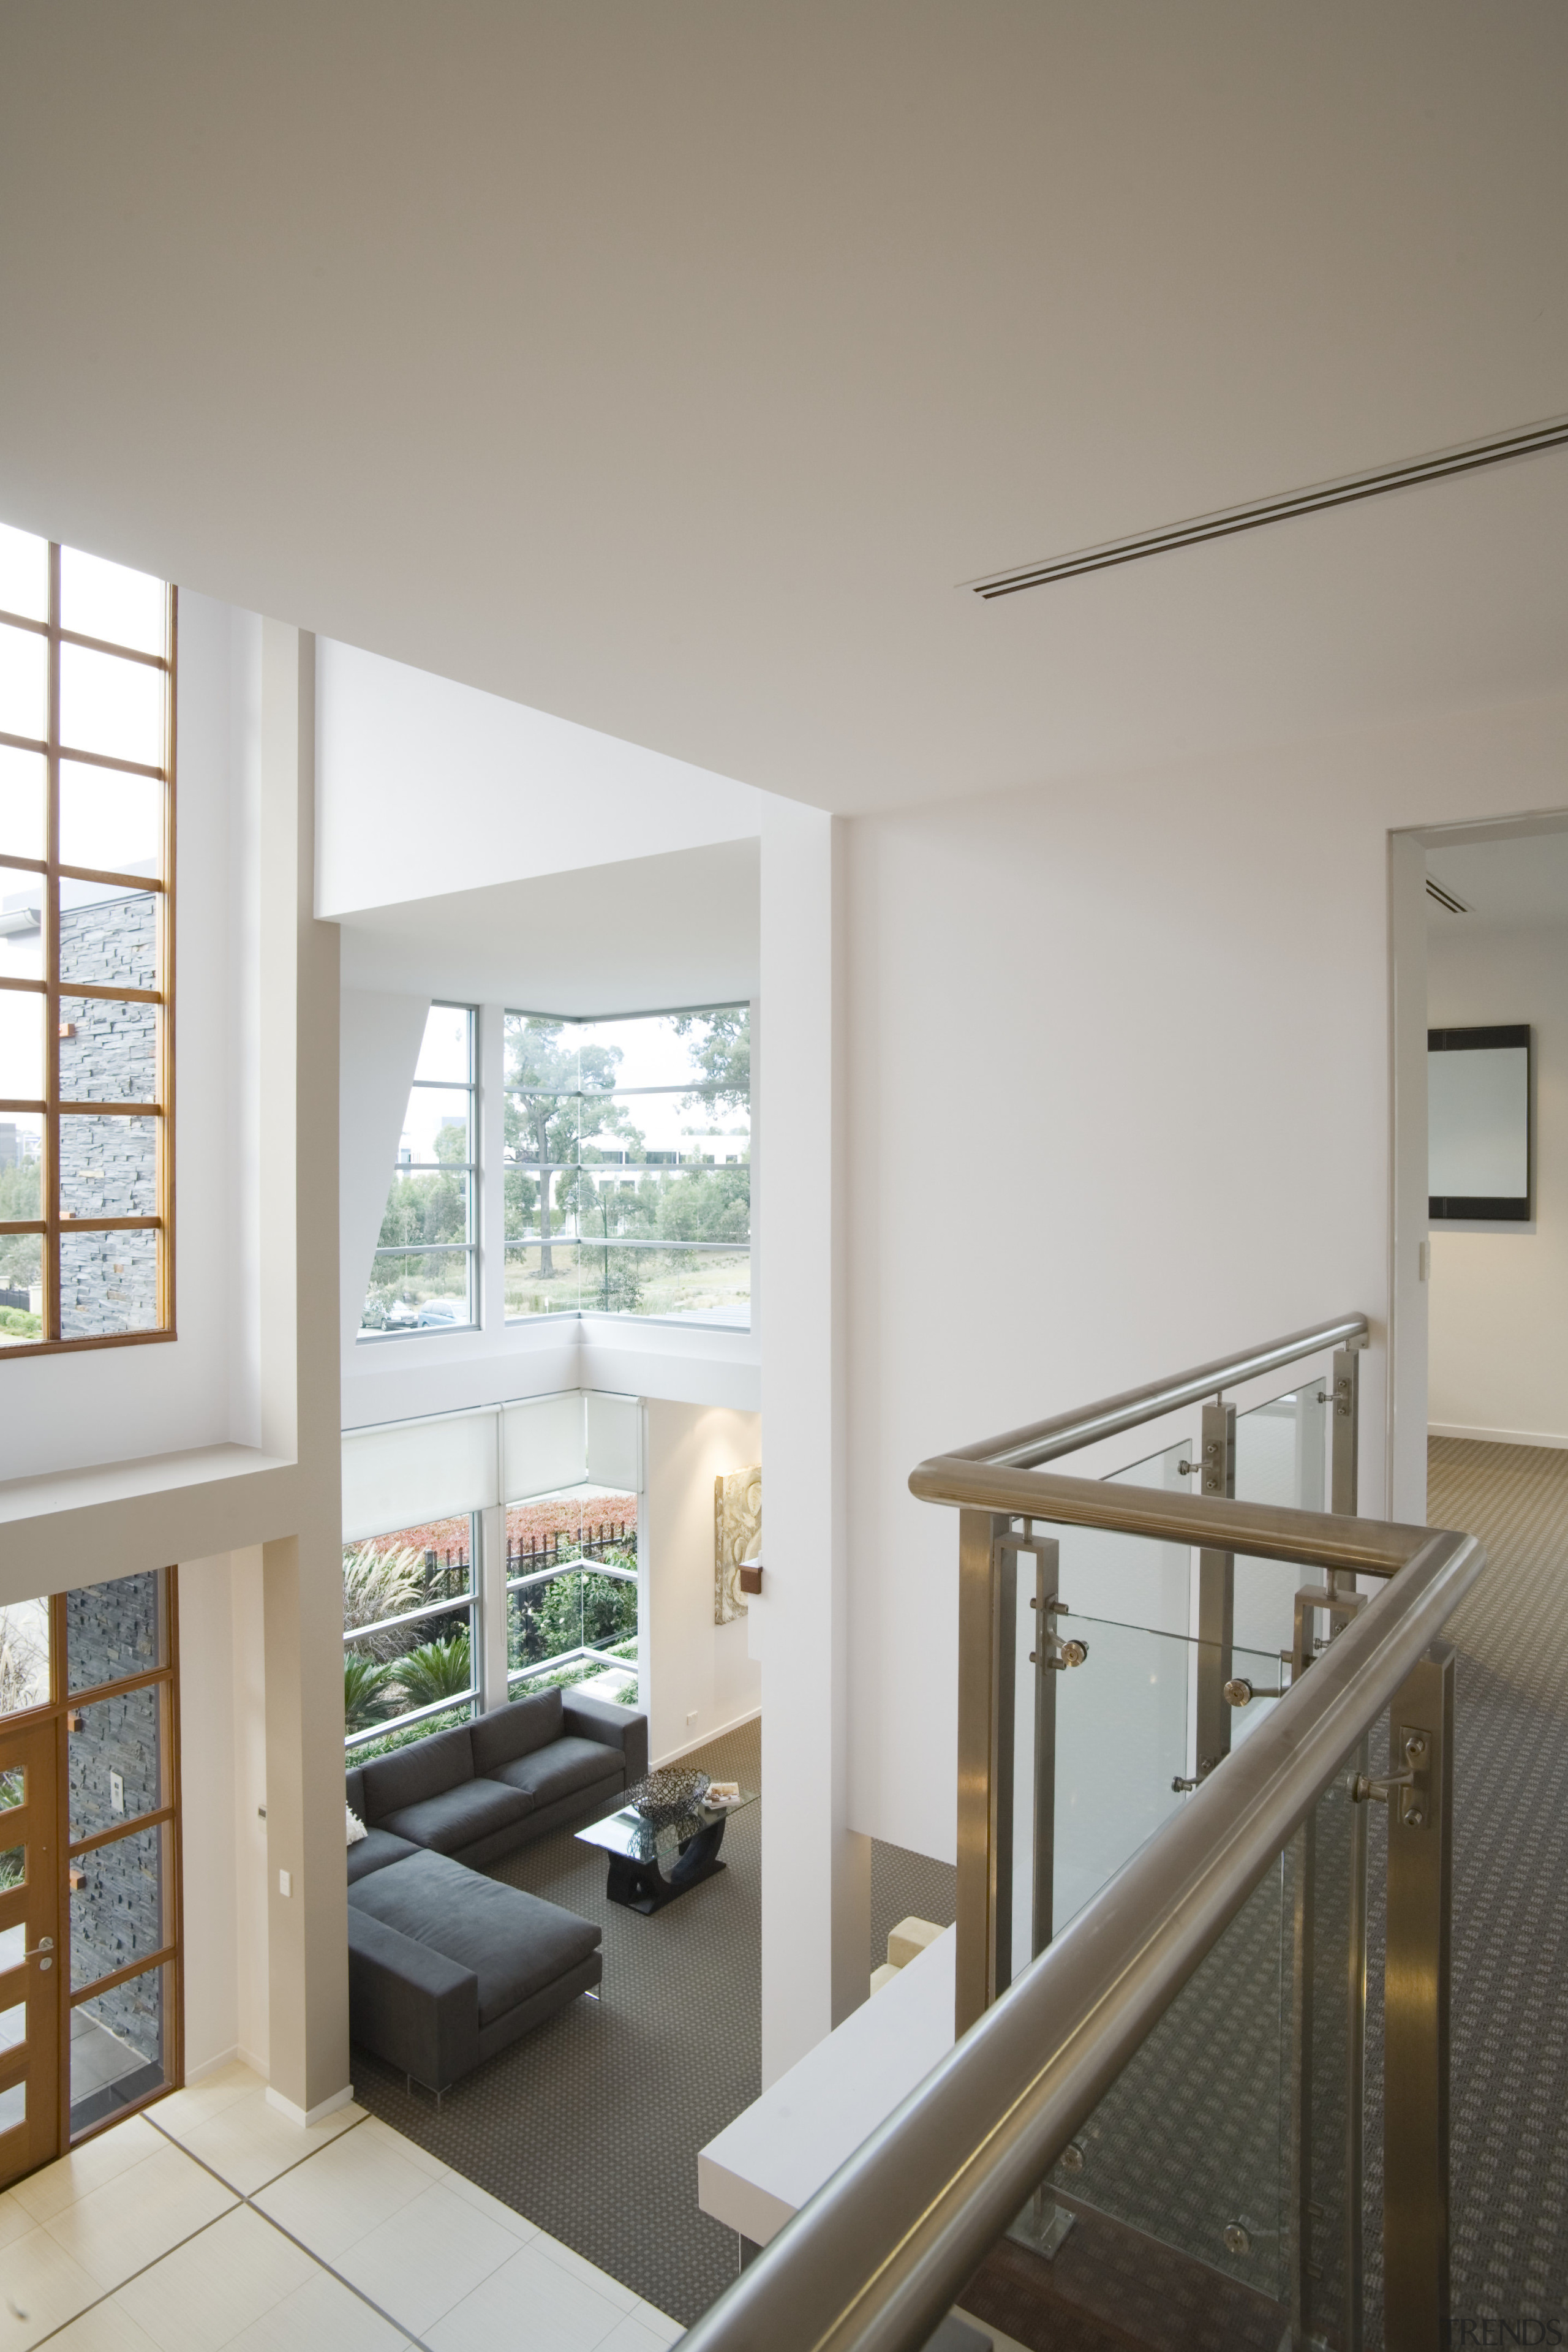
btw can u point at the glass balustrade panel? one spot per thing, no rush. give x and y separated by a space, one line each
1218 2174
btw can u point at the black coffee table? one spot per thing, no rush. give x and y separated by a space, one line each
649 1867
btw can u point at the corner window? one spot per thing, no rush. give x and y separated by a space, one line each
87 700
423 1276
629 1176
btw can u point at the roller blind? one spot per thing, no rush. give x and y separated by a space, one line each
399 1474
615 1441
542 1446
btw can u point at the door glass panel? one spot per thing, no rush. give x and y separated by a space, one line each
115 1763
118 1913
14 2026
14 2106
114 1630
13 1947
117 2047
13 1788
13 1868
24 1656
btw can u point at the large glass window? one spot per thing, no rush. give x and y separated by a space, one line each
410 1646
628 1176
422 1277
87 678
572 1593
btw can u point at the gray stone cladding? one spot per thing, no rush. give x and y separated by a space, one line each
109 1168
116 1915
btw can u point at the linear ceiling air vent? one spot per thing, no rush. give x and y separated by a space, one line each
1446 899
1467 459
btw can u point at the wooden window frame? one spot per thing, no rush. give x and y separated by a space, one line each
51 1225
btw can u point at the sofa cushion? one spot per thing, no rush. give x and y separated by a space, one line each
374 1851
353 1792
516 1730
459 1817
514 1944
410 1774
562 1769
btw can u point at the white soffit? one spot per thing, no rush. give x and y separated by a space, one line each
640 935
1521 879
667 368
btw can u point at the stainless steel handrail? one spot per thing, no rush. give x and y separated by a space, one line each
1064 1432
877 2255
1262 1531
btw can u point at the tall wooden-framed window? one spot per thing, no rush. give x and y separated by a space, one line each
87 880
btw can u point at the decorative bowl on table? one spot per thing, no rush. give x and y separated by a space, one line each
665 1797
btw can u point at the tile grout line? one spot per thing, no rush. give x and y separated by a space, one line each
241 2197
245 2198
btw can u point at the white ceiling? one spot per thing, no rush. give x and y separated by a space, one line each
647 935
665 368
1523 879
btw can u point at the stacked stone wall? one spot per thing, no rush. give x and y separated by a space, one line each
118 1913
109 1167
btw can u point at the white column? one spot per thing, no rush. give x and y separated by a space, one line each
815 1872
307 1926
1408 1287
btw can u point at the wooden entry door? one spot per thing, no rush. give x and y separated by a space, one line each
30 1950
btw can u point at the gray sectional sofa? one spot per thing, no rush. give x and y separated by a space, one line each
447 1967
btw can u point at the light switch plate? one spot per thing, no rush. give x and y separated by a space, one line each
116 1792
285 1884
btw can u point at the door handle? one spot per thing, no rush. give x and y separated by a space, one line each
44 1943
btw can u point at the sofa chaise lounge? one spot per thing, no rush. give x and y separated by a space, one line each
446 1966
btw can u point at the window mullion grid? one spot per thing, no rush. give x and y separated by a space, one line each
50 1174
163 974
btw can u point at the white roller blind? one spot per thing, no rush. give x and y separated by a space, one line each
542 1446
615 1441
399 1474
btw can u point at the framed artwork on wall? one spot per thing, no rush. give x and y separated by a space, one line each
1479 1130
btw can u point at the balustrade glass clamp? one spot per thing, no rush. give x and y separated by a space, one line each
1182 1788
1060 1656
1239 1692
1413 1807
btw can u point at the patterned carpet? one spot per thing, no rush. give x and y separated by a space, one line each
1510 2082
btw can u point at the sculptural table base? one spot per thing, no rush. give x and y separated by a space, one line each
645 1886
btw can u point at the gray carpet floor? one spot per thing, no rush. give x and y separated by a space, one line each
1509 2120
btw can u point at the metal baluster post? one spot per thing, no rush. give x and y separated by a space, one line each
1216 1598
984 1768
1420 1797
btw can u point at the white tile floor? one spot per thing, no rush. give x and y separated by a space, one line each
209 2220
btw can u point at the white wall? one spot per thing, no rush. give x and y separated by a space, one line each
1171 992
65 1412
701 1677
428 787
1500 1298
208 1728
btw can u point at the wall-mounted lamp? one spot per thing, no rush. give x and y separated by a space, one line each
749 1576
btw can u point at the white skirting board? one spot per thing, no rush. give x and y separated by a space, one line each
1496 1436
673 1755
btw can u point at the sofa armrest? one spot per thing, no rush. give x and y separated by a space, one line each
410 2005
611 1725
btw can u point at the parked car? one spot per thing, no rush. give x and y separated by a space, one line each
436 1312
